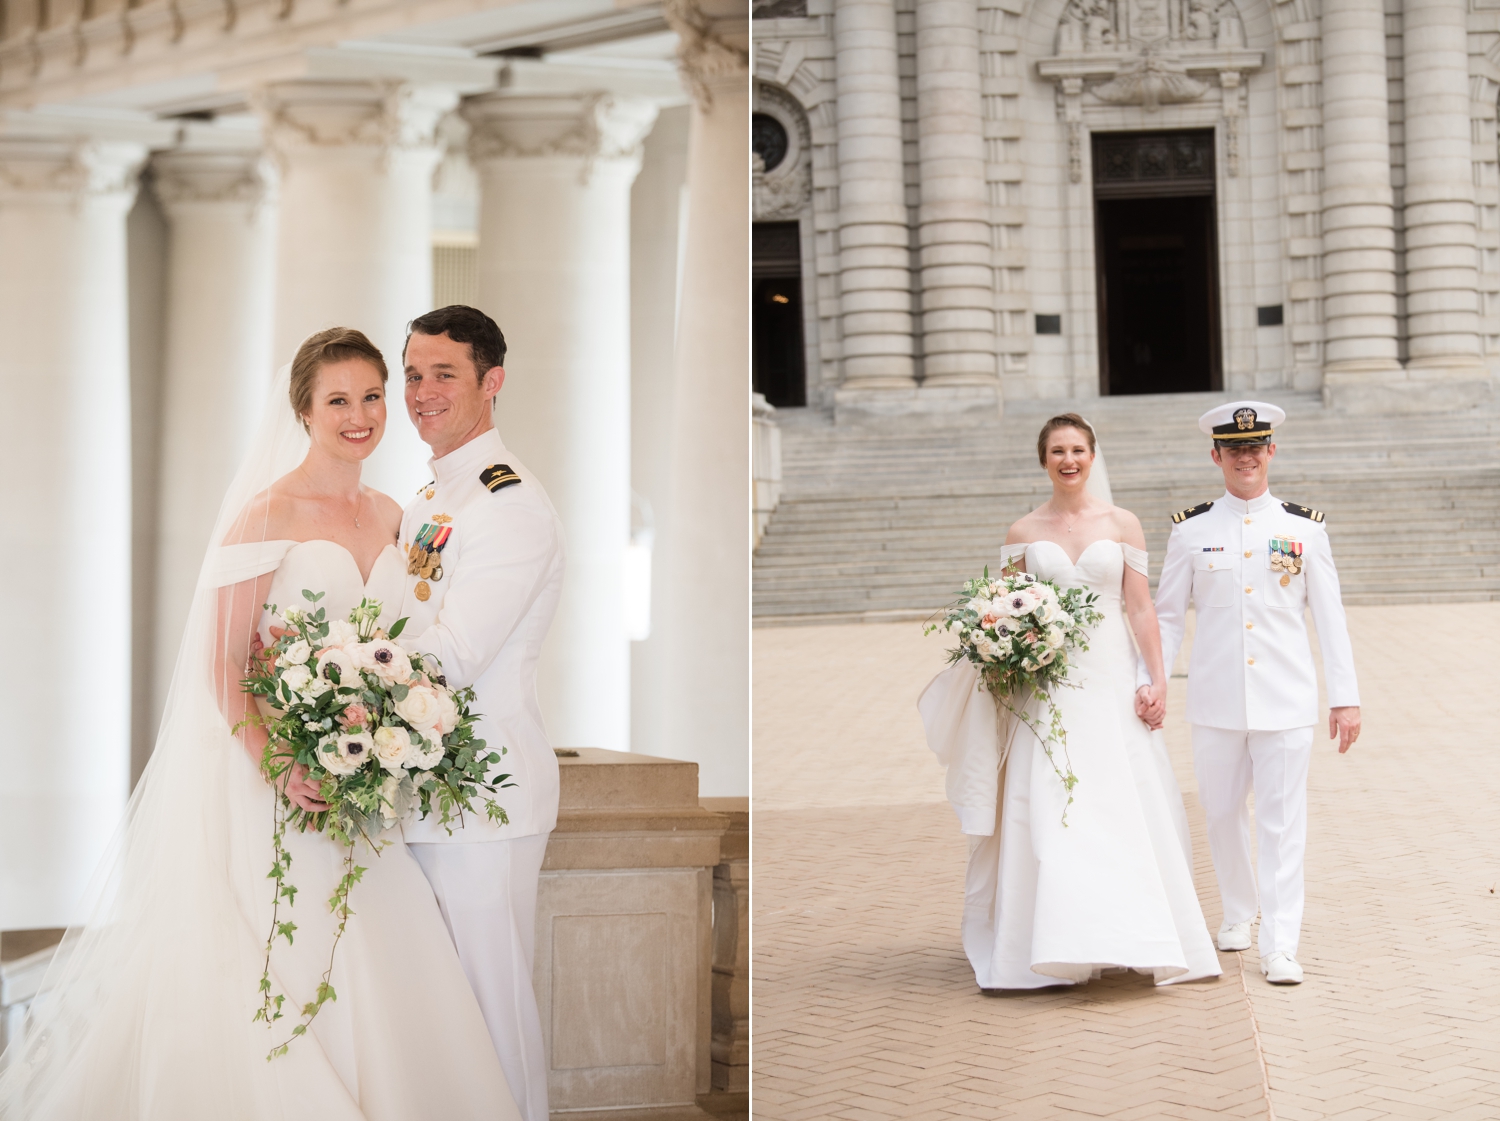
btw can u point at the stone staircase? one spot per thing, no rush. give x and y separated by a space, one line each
884 522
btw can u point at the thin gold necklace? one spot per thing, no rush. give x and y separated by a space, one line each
359 499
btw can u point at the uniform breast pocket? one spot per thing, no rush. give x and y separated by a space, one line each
1213 580
1284 588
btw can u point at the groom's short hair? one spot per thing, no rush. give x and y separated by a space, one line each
464 325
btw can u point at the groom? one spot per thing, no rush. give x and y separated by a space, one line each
1252 566
484 571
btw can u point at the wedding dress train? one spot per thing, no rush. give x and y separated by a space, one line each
1048 904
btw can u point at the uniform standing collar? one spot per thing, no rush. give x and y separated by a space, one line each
469 459
1254 506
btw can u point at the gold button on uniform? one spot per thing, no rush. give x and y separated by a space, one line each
1249 626
1247 552
1249 590
1247 521
1250 662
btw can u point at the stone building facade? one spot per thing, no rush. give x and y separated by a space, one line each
980 200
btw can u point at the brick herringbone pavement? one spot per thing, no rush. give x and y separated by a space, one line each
865 1007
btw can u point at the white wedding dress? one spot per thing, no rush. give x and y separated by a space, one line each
1047 904
152 1020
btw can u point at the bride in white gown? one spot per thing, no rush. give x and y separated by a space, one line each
1113 889
147 1012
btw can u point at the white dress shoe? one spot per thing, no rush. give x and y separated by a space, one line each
1236 937
1281 968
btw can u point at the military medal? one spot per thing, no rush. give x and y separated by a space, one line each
424 555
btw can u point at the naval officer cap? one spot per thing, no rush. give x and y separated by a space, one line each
1242 423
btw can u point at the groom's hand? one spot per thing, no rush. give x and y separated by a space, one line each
303 794
1343 725
1151 706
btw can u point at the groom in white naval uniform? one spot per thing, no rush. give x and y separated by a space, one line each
1252 565
484 570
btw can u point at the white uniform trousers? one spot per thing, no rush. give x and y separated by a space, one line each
1229 764
487 893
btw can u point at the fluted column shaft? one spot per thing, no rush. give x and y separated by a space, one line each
554 270
66 531
1359 255
957 279
354 240
218 362
874 246
1442 277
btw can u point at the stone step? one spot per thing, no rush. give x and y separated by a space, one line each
890 519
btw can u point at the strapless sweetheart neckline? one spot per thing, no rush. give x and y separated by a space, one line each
1079 562
364 581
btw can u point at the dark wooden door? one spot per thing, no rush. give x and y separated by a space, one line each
778 359
1156 253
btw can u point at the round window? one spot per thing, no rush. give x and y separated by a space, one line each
768 140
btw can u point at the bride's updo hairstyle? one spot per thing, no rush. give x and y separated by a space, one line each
337 344
1065 420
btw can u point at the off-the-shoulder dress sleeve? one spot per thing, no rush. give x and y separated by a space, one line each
1137 559
1010 553
231 564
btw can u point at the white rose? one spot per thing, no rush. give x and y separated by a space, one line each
447 712
388 791
1046 611
985 646
347 753
1054 636
316 688
297 677
392 747
383 658
341 633
419 707
337 656
297 653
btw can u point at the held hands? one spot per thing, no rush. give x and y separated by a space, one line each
1343 725
303 794
1151 705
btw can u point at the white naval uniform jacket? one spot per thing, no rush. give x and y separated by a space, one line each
1252 667
485 621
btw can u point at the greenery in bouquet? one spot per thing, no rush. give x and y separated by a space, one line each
1021 633
381 734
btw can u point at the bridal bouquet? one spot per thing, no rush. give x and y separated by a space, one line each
382 735
1020 632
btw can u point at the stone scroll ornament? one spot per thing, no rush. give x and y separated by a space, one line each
1150 80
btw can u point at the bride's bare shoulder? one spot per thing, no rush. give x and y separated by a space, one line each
264 517
388 508
1023 531
1128 526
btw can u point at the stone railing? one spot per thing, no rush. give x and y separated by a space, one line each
765 464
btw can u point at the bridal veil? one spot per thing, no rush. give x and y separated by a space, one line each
145 1013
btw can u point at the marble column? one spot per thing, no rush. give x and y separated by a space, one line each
555 173
1442 278
354 239
1359 257
65 448
215 192
707 553
874 246
957 278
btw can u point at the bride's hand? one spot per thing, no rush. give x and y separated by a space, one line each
1151 705
303 794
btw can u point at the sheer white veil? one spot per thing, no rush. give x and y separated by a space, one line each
146 1013
1098 482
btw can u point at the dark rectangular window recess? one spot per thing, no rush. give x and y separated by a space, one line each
1268 316
1049 325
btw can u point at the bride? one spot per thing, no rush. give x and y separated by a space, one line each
146 1014
1113 889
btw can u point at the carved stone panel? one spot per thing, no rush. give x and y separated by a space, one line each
781 159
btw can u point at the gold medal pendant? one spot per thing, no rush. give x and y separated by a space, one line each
1286 578
423 590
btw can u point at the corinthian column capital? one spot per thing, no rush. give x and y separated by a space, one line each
591 127
714 44
381 113
187 178
69 170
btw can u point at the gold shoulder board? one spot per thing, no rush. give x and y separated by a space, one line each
498 476
1191 512
1303 511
